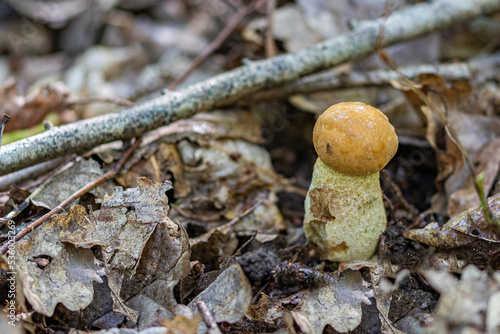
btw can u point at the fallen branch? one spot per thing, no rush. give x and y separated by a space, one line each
29 173
80 136
485 67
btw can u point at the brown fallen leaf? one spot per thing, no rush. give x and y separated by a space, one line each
487 160
215 165
467 227
68 276
61 186
122 227
30 110
183 324
451 113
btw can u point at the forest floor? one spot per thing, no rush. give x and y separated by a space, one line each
196 225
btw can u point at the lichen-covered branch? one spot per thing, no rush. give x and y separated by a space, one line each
402 25
484 67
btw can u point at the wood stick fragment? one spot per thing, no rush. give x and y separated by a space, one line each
30 173
217 42
3 122
270 45
208 317
484 67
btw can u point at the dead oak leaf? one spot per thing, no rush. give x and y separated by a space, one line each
122 227
227 298
68 272
30 110
125 223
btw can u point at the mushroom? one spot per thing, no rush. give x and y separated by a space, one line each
344 211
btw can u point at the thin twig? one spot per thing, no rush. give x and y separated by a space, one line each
399 194
270 45
229 224
73 197
411 22
30 173
208 317
484 67
5 120
244 214
391 206
335 79
27 201
97 99
254 299
217 42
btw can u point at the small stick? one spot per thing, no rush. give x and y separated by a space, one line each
244 214
270 45
24 204
217 42
208 317
399 194
32 172
391 206
4 121
73 197
115 100
254 299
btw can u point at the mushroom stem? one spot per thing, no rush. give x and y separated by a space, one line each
344 214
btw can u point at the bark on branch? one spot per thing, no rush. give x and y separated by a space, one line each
486 68
83 135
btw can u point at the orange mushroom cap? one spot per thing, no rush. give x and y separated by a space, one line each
354 138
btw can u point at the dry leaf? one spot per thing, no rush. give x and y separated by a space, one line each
337 304
156 301
66 183
122 228
227 298
468 304
462 229
488 163
183 325
67 275
30 110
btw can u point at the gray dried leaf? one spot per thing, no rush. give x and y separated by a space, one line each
337 304
122 227
488 163
205 127
462 229
157 300
53 271
66 183
470 303
227 298
295 37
